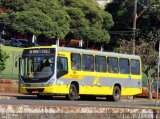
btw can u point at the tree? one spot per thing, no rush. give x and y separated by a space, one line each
148 13
88 21
39 17
23 23
3 58
149 70
82 19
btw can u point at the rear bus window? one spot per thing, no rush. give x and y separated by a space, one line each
135 67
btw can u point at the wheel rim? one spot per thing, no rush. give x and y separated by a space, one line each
117 94
72 93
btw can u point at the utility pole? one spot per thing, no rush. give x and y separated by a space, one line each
135 17
157 87
134 26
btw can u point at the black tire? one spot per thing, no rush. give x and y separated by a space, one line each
73 94
116 94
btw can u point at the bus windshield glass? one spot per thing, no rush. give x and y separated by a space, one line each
38 63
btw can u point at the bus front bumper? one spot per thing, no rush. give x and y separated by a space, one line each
54 89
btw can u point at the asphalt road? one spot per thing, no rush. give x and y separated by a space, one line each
61 101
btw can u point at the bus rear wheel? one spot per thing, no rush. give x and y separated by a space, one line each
73 93
116 94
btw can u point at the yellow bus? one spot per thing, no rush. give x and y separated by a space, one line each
79 73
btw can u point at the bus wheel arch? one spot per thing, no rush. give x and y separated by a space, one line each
116 96
73 91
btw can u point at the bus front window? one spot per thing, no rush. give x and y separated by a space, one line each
37 66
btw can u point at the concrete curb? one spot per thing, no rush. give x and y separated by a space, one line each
78 112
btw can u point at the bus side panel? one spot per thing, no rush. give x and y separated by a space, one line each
131 91
96 90
93 84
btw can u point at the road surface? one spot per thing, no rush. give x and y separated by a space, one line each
61 101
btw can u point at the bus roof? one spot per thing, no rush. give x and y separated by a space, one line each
86 51
112 54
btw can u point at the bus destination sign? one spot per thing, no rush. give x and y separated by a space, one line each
41 51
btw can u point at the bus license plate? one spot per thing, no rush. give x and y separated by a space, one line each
35 92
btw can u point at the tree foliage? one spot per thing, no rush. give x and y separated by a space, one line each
148 20
82 19
40 17
88 21
3 58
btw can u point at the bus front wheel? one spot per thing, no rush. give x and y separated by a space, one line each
72 92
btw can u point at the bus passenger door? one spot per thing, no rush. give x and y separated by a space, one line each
62 66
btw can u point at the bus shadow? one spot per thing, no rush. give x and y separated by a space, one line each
34 97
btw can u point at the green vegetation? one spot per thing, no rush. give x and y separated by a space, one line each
88 21
3 58
147 25
11 72
80 19
40 17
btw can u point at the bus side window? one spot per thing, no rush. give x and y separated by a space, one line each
112 65
87 62
124 66
75 61
101 65
62 66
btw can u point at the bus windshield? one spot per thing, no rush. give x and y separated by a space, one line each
37 65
